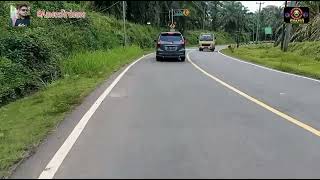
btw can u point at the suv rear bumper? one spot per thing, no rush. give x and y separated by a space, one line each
174 54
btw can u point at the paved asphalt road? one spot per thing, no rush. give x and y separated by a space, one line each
170 120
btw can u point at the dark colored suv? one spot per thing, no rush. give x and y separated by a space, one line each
171 45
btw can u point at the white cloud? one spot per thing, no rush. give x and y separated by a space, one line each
252 6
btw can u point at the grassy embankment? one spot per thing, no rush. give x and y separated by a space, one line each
302 58
25 122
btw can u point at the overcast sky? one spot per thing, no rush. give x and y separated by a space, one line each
252 6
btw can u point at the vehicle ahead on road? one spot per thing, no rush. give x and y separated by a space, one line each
207 41
171 45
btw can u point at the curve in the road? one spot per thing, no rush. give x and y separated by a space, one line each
258 102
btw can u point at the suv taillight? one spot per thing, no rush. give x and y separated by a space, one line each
183 42
158 44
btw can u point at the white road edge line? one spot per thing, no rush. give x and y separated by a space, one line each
263 67
56 161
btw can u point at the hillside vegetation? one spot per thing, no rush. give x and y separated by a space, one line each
30 57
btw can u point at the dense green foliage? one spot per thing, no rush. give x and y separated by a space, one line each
38 50
30 57
228 16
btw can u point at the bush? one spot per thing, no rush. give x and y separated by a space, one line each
32 53
15 80
28 65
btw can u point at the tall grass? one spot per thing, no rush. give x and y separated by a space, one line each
301 58
98 63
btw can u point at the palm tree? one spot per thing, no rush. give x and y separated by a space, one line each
235 17
310 31
214 8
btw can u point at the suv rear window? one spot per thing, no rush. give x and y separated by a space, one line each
206 37
171 37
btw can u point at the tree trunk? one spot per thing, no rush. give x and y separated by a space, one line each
287 37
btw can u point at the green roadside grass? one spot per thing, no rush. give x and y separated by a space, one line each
26 122
148 50
296 62
191 46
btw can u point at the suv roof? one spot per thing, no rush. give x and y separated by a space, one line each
171 33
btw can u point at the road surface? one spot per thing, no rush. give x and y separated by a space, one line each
172 120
